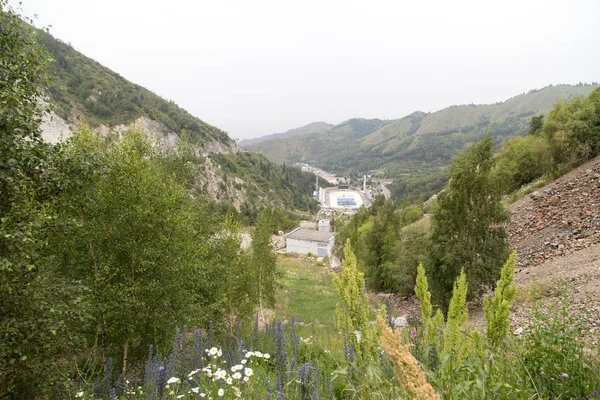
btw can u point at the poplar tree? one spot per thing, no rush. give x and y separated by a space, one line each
467 231
264 260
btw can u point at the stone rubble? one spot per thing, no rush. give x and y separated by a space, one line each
561 219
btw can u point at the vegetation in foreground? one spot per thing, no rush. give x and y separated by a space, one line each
435 356
91 279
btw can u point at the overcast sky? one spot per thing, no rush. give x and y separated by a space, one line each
254 67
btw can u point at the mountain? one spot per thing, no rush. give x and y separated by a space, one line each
415 150
314 127
81 89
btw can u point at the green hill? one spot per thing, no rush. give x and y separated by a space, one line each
313 127
415 150
82 89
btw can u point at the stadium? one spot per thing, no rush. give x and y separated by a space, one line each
344 199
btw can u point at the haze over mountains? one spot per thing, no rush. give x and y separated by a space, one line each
314 127
420 145
414 151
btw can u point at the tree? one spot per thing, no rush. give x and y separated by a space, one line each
521 160
133 236
536 124
467 230
32 305
264 260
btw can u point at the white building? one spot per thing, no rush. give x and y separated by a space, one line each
324 225
304 241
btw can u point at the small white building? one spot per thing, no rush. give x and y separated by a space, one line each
324 225
304 241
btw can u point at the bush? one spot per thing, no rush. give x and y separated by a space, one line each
555 353
522 160
400 274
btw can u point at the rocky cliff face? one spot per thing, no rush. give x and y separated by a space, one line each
55 129
213 184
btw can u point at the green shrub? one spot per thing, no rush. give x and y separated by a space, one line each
555 353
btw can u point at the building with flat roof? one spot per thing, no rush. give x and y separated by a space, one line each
304 241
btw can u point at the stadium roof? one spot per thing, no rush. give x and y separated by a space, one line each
307 234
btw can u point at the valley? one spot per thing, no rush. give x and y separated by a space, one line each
414 151
146 254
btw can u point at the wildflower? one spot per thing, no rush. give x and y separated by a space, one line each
196 390
246 379
221 392
173 380
258 354
202 394
248 372
249 354
220 374
237 375
413 334
266 356
180 396
194 372
219 353
213 351
244 361
564 375
80 394
237 391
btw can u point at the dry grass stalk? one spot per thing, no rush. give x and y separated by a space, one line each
405 366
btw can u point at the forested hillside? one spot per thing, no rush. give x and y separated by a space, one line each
416 150
81 88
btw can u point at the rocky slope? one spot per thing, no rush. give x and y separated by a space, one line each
55 129
556 233
559 219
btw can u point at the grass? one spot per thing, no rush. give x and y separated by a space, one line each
308 294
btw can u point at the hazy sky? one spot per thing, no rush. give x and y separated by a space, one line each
254 67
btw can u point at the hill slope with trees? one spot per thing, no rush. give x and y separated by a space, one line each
81 89
415 151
